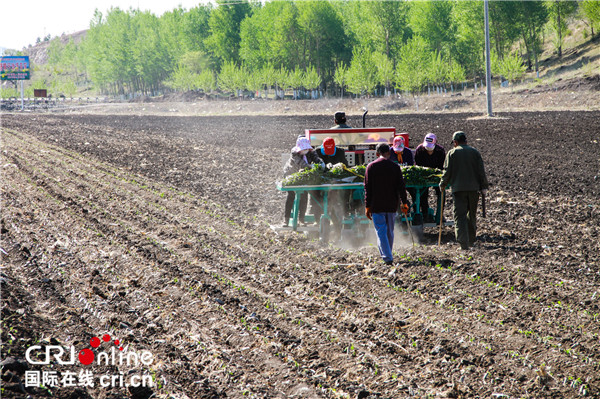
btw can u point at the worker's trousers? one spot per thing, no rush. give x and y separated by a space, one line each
384 227
465 214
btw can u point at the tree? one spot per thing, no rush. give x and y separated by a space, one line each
381 26
531 18
182 79
456 74
385 70
559 11
268 76
227 79
511 67
271 35
285 38
438 70
281 81
254 81
295 79
224 26
591 10
195 28
323 36
206 81
152 58
411 70
470 36
432 21
340 77
362 73
311 79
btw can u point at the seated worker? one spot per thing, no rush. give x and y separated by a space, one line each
400 153
404 157
303 156
330 154
340 121
431 155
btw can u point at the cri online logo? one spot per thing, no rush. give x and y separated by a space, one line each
87 355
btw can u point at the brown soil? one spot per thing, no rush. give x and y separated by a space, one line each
155 230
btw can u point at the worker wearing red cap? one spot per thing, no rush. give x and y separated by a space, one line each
330 154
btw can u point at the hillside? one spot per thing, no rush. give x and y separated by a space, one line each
38 53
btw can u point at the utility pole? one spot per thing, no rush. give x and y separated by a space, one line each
488 66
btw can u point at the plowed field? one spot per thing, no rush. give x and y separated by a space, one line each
155 231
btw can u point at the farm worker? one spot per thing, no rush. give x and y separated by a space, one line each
465 173
302 156
400 153
431 155
384 187
340 120
404 156
331 155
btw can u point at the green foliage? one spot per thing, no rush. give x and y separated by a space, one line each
311 79
338 171
323 35
432 21
470 36
358 45
439 70
380 26
385 69
531 19
268 76
511 67
340 76
559 11
310 176
192 73
362 74
228 78
591 10
411 73
206 81
254 81
314 175
420 175
281 78
224 26
295 78
456 73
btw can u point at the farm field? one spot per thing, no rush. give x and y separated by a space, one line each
155 230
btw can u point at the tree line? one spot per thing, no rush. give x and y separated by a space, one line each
312 47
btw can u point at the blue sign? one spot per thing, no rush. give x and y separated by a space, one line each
14 68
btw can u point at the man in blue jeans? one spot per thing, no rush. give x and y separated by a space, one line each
384 188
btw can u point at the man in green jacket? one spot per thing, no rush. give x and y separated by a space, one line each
465 173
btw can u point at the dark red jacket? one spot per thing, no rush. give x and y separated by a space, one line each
384 186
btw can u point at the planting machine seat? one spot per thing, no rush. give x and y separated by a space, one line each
359 145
